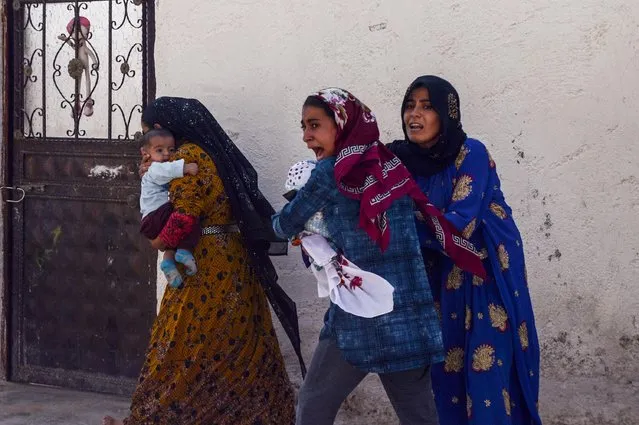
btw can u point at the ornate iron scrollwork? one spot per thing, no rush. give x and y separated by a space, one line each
81 89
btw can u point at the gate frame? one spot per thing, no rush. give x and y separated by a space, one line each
6 131
5 163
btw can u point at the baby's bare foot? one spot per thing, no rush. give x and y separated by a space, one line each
108 420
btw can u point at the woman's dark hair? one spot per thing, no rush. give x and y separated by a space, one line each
319 103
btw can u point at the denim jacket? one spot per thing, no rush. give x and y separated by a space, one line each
407 338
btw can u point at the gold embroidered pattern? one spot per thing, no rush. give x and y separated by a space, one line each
453 106
498 210
498 317
469 318
461 157
487 403
483 358
506 401
455 400
454 362
455 278
463 188
470 229
469 406
504 257
483 254
523 336
477 281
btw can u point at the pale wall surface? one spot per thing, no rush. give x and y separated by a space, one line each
551 87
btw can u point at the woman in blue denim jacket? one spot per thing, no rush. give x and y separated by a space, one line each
366 197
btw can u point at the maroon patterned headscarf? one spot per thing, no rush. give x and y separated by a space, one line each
367 171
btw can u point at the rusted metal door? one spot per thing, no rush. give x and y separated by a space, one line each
83 278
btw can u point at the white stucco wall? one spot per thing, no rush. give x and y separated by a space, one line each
550 86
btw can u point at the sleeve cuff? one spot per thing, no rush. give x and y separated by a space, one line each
277 227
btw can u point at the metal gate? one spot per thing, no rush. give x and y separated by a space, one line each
82 276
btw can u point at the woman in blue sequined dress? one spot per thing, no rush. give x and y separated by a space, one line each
491 371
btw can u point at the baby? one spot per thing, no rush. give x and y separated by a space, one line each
155 207
354 290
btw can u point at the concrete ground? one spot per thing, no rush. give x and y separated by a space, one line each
580 402
38 405
43 405
567 396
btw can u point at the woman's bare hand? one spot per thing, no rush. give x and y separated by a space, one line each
158 244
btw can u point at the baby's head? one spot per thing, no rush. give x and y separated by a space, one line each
298 175
159 144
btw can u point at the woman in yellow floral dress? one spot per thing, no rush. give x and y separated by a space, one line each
213 357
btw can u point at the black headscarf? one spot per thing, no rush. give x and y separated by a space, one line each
445 100
190 121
